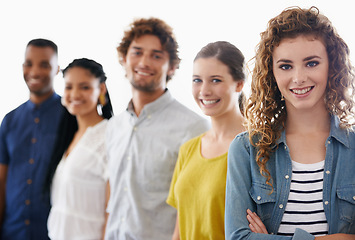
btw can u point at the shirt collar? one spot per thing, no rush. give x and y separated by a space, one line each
154 106
341 135
44 105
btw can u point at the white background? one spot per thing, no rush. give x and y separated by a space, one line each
93 29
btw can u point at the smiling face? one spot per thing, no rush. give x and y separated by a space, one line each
39 69
147 64
300 67
82 91
213 87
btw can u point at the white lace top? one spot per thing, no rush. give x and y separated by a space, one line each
78 189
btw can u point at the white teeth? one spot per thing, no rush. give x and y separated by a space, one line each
34 80
207 102
143 73
301 91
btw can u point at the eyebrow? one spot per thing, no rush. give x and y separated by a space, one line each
219 76
213 76
305 59
156 51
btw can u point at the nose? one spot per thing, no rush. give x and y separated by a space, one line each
300 76
144 60
205 89
34 72
75 93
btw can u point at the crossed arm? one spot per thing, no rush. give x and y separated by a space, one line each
257 226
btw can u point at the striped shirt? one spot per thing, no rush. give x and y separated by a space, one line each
304 207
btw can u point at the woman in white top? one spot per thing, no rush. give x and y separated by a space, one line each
78 174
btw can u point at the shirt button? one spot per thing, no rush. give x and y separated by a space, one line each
36 120
258 198
27 202
327 172
125 189
27 222
281 206
285 147
287 176
29 181
149 116
354 198
326 202
33 140
328 141
135 129
31 161
122 219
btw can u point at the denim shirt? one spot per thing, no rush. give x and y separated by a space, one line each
246 187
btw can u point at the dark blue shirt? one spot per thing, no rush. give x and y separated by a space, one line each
27 136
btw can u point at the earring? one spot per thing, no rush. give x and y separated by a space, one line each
282 98
102 99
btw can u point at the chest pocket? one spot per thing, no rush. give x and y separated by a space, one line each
346 194
264 200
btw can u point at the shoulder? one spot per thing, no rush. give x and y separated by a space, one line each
15 113
240 141
98 131
191 144
183 113
351 137
114 120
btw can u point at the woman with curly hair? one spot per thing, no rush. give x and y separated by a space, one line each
290 176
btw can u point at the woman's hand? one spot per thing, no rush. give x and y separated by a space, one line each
255 224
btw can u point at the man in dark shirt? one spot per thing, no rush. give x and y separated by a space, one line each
27 136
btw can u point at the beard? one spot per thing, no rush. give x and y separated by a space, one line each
145 86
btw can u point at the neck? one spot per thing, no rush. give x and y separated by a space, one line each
307 121
227 125
88 120
38 99
141 98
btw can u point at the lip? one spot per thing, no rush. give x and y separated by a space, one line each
33 81
76 103
302 92
143 73
209 102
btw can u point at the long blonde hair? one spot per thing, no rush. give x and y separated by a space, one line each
265 111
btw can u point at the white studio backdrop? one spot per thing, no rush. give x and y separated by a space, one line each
93 29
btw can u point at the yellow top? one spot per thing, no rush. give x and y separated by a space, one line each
197 191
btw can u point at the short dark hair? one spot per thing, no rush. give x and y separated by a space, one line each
40 42
155 27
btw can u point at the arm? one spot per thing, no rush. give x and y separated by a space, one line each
242 171
106 213
3 176
337 236
176 234
257 226
255 223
